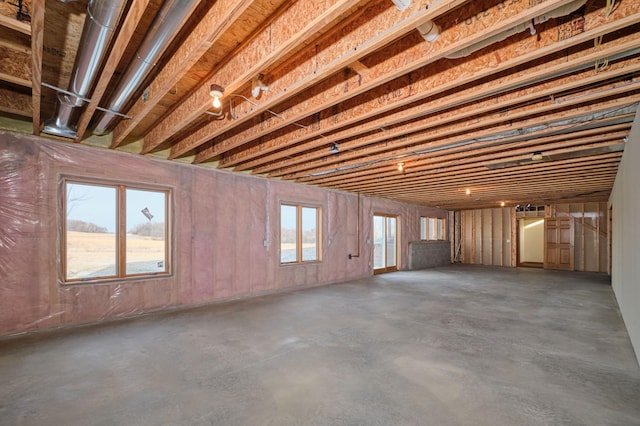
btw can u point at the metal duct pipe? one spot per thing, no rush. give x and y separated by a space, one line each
166 25
556 13
102 19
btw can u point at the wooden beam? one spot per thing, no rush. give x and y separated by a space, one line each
293 147
386 141
391 66
496 181
15 103
380 26
457 168
473 172
422 145
211 27
499 183
484 154
119 46
15 80
295 26
16 25
37 39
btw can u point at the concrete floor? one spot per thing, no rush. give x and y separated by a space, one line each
459 345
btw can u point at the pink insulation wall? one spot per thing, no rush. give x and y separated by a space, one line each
225 235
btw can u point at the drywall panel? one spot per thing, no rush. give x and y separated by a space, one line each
225 235
625 204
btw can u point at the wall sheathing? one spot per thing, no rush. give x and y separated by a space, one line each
625 244
489 235
589 233
225 235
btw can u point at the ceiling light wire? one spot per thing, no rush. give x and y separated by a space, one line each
234 116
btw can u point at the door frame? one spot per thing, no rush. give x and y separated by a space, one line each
558 247
519 262
386 268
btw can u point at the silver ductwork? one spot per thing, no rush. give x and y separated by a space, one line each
102 19
166 25
555 13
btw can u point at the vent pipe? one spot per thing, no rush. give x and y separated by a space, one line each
99 25
556 13
166 25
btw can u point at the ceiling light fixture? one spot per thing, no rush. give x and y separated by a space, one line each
400 167
258 86
216 91
502 204
468 191
536 156
334 148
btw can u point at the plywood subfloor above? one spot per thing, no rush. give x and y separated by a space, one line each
351 89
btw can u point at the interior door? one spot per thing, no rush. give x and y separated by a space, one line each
558 234
385 243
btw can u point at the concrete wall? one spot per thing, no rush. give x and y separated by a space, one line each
429 254
625 267
225 235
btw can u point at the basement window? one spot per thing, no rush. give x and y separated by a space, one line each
114 231
433 228
300 234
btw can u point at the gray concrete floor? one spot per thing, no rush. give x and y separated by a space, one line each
459 345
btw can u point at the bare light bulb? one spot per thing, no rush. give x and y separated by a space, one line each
468 191
400 167
216 102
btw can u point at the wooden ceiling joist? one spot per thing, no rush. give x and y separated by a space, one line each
390 66
445 169
16 25
546 71
442 169
365 38
504 103
471 177
211 27
37 39
292 28
409 148
378 168
354 89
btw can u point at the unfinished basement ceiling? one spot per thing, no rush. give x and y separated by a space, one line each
518 101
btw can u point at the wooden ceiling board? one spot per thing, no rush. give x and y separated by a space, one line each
420 87
359 75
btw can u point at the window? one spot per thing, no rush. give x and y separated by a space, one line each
114 231
299 233
433 228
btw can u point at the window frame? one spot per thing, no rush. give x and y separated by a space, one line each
440 226
299 233
121 188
